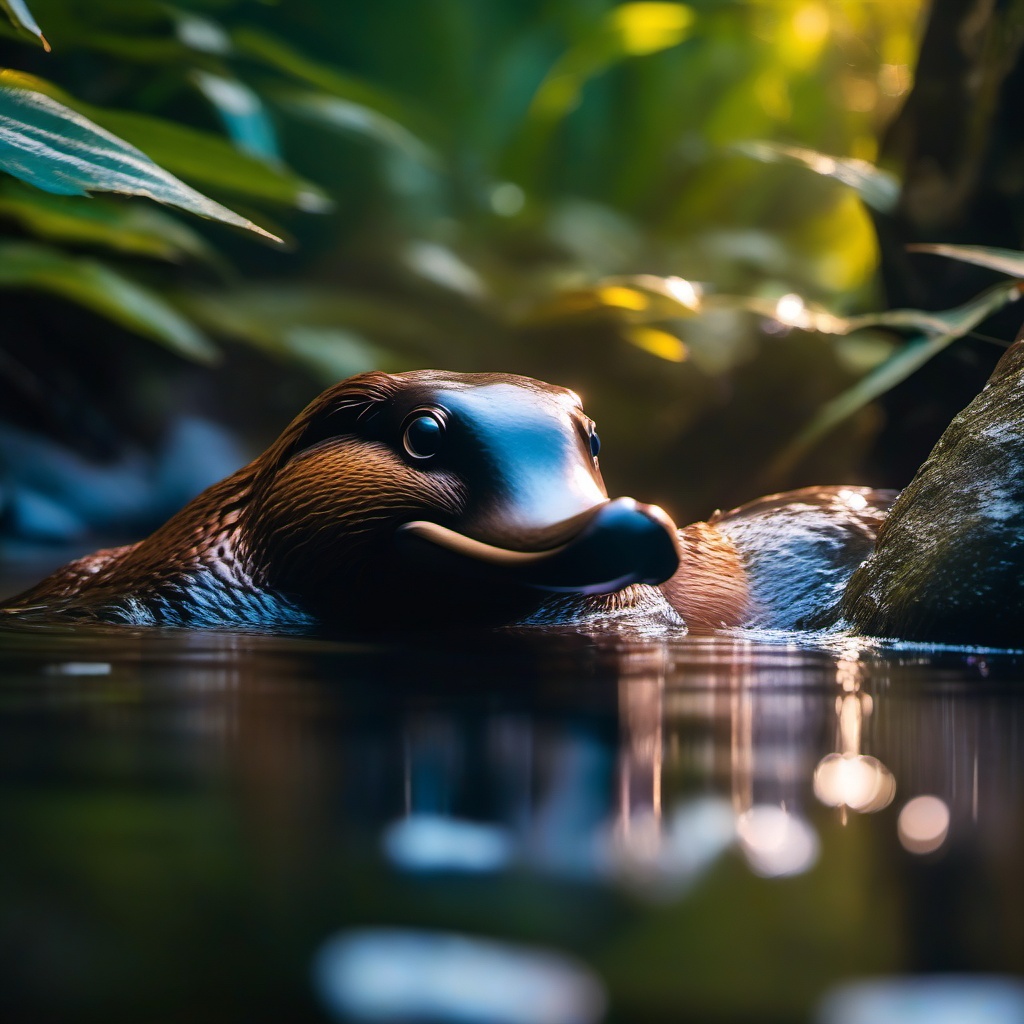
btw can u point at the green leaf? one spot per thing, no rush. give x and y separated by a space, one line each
280 56
137 228
350 117
628 30
955 323
1006 261
137 49
198 156
215 163
106 292
295 326
59 150
200 33
243 113
21 16
879 189
268 315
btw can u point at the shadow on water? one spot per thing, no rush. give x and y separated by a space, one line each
221 827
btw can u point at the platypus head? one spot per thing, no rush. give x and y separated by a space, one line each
427 497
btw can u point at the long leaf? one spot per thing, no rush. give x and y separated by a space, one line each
59 150
879 189
137 228
245 117
198 32
21 16
201 157
106 292
262 315
349 117
1006 261
277 54
898 367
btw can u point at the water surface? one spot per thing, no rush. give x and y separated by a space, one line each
199 826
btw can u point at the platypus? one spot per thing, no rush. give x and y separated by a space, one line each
405 500
425 499
420 499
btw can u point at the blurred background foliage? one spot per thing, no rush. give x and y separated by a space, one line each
673 208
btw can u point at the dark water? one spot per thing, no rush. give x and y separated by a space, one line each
216 827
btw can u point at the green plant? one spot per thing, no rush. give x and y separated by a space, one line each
562 189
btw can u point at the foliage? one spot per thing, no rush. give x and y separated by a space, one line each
48 145
520 186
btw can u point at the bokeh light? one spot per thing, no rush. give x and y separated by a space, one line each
777 843
857 781
923 824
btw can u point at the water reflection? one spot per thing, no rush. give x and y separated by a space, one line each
777 843
949 1000
386 975
188 800
923 824
849 778
430 842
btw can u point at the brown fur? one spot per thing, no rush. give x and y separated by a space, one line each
709 589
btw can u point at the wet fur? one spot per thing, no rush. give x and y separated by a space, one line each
233 556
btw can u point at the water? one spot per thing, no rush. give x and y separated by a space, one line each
220 827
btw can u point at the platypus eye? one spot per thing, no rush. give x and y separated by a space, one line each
595 443
423 435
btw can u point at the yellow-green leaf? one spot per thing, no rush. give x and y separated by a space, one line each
879 189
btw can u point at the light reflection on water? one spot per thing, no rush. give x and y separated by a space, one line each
386 975
195 815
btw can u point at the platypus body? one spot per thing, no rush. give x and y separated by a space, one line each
426 499
393 501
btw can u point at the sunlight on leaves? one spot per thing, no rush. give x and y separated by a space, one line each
879 189
643 28
803 34
630 30
21 17
658 342
615 296
104 291
937 331
59 150
1006 261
